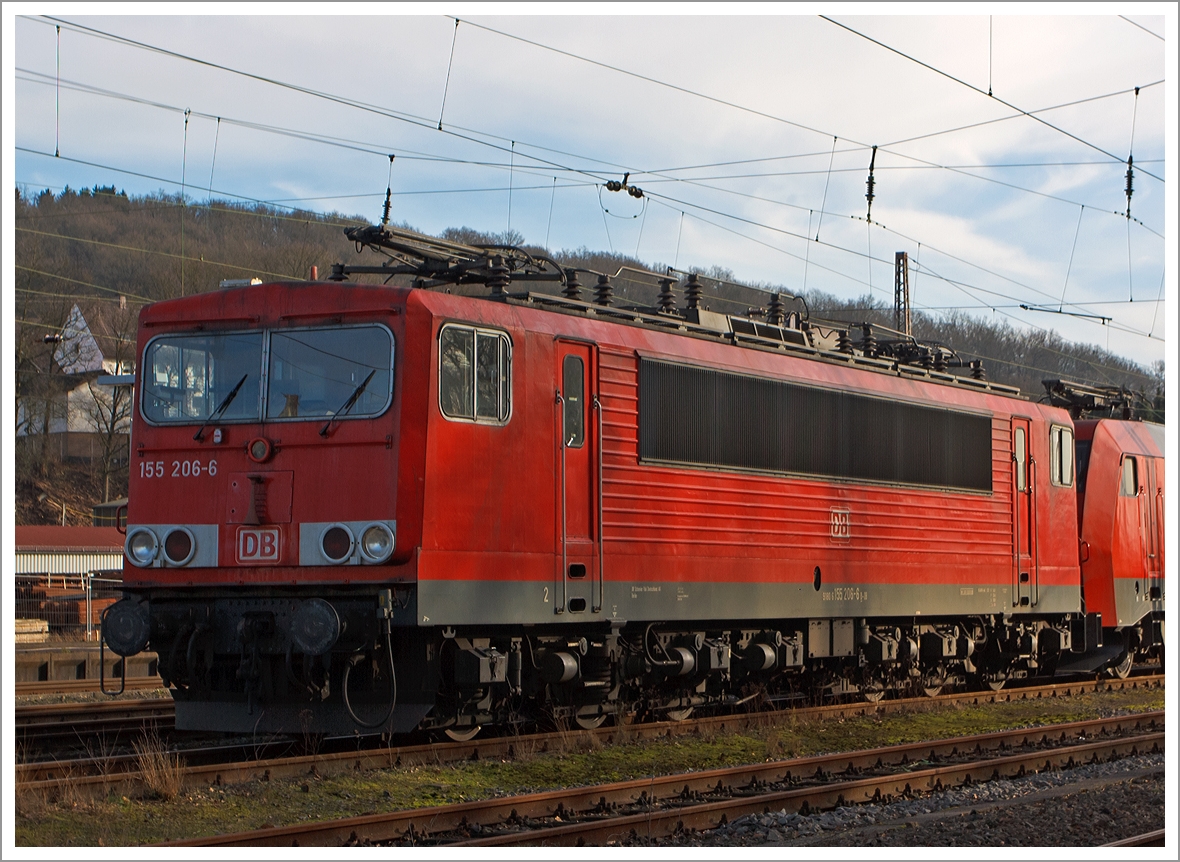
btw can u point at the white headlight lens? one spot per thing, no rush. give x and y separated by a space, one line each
141 547
377 543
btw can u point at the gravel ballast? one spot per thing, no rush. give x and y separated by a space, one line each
1086 806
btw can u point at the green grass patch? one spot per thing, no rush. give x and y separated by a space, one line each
73 820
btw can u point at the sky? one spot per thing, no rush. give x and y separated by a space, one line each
749 129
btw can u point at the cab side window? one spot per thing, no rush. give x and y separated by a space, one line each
474 374
1061 455
1129 487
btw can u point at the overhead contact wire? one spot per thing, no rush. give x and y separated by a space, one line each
981 92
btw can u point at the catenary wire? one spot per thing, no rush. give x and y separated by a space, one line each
981 92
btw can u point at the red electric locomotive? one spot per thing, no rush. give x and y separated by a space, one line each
1121 517
378 508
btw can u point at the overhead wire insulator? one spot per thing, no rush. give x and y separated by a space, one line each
617 186
388 193
385 210
871 182
1130 182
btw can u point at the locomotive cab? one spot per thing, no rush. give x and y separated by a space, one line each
266 559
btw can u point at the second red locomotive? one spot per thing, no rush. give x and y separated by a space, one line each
365 507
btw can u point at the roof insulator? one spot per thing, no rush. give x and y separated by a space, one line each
573 287
667 298
775 315
692 292
603 292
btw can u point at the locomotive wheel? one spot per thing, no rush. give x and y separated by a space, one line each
872 692
463 734
590 722
996 684
678 714
931 684
1122 670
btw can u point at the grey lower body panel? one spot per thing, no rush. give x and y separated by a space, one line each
1133 601
454 602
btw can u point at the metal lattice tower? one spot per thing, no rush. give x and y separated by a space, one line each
901 293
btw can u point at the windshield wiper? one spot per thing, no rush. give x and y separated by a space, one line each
347 405
225 402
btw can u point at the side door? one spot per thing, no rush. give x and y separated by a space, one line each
1023 517
1153 525
577 426
1133 537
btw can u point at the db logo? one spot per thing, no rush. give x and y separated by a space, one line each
258 545
841 525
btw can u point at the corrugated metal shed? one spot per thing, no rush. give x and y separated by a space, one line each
68 550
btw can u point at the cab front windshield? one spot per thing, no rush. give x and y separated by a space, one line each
309 374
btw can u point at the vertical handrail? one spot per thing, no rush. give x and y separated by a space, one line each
598 496
102 662
86 582
1159 526
1017 502
560 607
1033 545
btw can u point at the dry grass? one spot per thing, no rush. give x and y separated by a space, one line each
31 804
162 774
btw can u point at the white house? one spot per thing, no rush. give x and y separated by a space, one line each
83 414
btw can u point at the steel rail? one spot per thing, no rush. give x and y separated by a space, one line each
32 716
72 686
711 815
1154 838
122 770
744 783
38 726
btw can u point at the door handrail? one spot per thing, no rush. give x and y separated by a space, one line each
597 608
559 608
1033 545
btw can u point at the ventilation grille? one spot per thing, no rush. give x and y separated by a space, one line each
700 417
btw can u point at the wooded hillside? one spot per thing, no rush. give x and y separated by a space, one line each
110 254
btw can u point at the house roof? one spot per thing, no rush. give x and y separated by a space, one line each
45 538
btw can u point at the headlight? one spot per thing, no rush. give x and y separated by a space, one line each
376 543
179 546
336 543
142 546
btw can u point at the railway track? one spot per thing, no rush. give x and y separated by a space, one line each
229 763
1155 838
43 725
661 806
77 686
